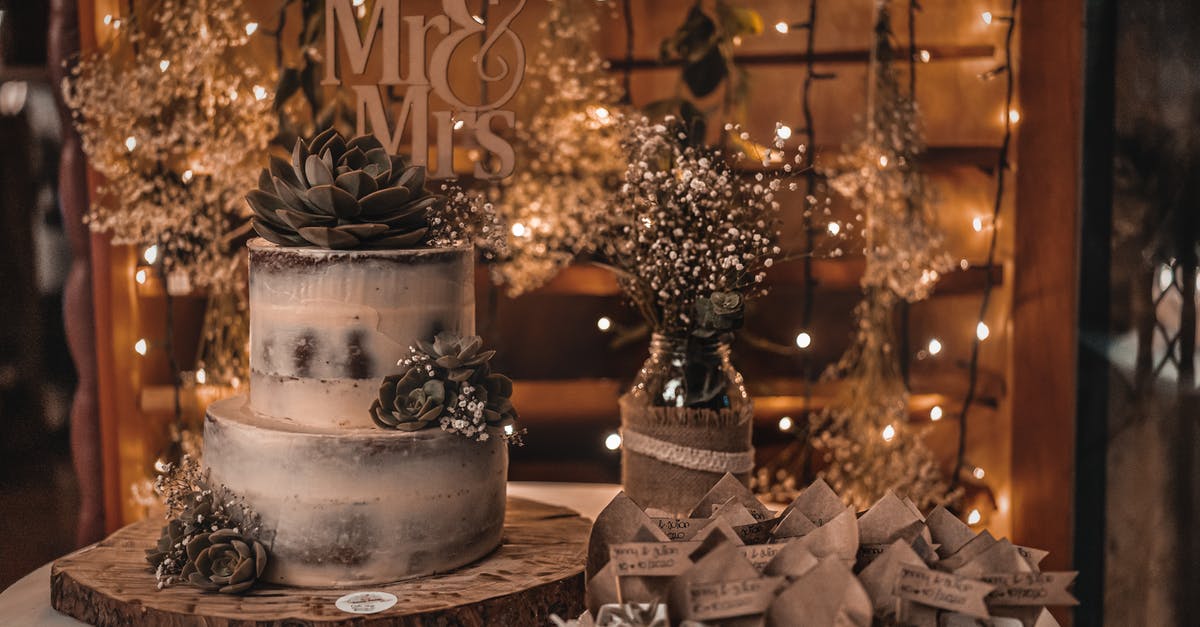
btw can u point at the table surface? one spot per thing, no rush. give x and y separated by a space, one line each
27 602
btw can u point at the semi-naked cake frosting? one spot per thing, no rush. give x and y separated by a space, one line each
343 502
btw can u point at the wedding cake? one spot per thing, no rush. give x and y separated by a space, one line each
341 500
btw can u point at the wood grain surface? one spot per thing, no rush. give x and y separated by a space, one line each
538 570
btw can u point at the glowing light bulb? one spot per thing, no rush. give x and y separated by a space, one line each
477 18
924 56
518 229
834 228
163 65
935 413
935 346
1166 277
1014 116
141 346
508 429
978 473
601 113
251 27
358 3
889 433
108 19
458 124
604 323
233 95
974 517
803 339
977 224
130 143
613 441
186 176
783 132
201 376
782 28
986 16
140 276
235 382
737 40
883 161
785 423
150 254
982 331
260 92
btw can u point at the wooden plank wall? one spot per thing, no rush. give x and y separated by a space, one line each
570 372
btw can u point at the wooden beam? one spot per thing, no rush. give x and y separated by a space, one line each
767 59
1044 277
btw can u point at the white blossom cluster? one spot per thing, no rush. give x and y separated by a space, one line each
176 121
569 148
466 217
689 221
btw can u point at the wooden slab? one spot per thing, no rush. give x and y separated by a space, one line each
538 570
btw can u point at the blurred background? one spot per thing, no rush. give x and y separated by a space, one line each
1078 371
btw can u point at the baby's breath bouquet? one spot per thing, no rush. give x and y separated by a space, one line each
690 237
691 229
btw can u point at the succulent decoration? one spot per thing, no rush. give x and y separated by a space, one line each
446 383
342 194
210 540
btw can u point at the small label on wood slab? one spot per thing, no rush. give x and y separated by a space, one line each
651 559
366 602
726 599
942 590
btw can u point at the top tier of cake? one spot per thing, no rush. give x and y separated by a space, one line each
327 325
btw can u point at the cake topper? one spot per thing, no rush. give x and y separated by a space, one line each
408 37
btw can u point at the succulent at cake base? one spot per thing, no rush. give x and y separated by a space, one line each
343 194
223 561
201 517
447 383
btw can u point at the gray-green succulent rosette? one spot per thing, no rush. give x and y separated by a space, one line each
211 537
446 383
718 314
342 194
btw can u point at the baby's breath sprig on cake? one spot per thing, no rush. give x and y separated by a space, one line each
693 224
447 383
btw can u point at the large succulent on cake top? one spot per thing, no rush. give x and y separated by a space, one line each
342 194
448 383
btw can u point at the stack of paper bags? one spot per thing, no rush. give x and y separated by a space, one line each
735 562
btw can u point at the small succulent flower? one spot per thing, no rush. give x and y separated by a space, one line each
410 401
224 561
448 383
718 313
459 355
342 194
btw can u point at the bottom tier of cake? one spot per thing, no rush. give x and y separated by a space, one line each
359 506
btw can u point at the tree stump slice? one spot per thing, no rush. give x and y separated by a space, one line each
537 571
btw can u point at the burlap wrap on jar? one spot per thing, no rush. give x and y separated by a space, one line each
672 456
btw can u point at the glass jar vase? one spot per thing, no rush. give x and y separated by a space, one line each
685 422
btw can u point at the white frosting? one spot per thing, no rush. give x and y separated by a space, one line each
350 507
326 325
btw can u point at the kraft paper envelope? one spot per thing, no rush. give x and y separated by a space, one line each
619 521
734 512
730 488
879 578
948 531
838 538
828 595
973 547
792 561
793 524
883 523
723 564
818 502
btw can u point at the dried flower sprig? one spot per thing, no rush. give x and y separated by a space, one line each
689 222
175 119
202 520
569 147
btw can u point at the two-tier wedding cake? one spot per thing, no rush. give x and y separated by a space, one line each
339 296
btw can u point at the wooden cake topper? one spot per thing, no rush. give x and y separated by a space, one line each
456 25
